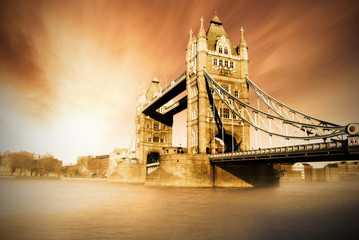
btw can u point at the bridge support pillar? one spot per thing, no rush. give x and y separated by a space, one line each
182 170
131 173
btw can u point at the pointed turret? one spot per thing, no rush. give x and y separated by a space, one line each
201 33
243 49
202 38
216 20
242 41
154 89
189 45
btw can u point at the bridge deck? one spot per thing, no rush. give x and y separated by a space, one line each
331 151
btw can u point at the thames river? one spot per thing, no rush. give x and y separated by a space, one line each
95 209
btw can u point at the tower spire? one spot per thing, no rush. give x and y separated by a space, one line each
242 41
201 33
215 19
189 45
242 48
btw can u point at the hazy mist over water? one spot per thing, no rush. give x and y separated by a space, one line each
79 209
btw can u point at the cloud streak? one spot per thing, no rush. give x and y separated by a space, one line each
82 63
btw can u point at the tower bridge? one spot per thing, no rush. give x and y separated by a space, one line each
219 118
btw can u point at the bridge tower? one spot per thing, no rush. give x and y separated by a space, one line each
228 65
152 136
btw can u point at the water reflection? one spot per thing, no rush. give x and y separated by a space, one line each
72 209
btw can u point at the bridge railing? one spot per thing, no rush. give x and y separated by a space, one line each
295 148
174 83
152 167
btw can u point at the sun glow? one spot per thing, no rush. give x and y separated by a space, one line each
70 71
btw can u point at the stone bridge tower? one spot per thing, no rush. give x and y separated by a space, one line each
151 135
228 65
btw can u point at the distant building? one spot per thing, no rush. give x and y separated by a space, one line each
288 174
318 175
308 172
299 167
93 166
348 170
331 172
82 164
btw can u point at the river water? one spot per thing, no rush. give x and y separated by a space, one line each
85 209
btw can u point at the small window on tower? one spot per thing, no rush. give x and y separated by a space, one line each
224 113
225 50
220 50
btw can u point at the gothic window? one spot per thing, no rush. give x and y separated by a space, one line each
220 50
236 93
156 126
226 63
156 139
231 64
224 113
225 50
220 62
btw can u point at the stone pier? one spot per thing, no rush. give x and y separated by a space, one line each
195 170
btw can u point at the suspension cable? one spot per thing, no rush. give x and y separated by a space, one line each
220 91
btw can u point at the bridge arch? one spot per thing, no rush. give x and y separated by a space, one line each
153 157
226 143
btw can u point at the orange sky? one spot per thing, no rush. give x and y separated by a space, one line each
70 71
